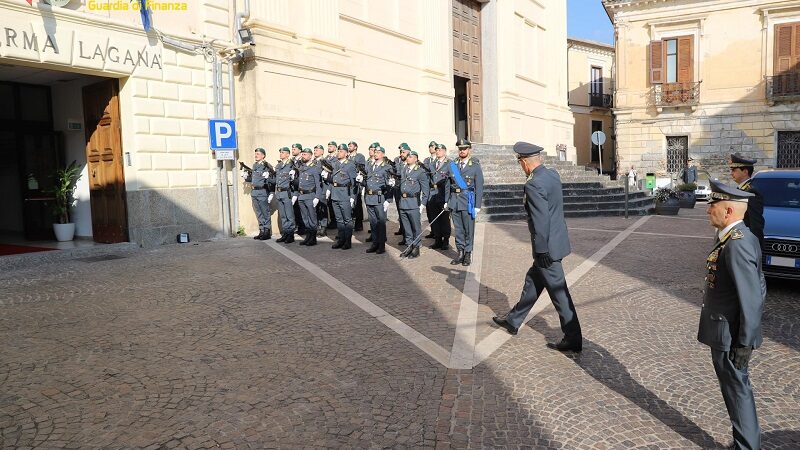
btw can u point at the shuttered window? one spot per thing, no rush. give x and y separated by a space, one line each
787 48
672 60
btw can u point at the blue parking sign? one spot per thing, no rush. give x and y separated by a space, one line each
222 134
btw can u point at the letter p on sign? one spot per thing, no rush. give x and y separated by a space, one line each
222 134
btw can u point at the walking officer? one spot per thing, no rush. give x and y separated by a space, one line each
440 195
260 179
331 159
359 161
284 176
428 162
310 190
742 173
544 205
414 190
296 150
377 193
466 193
733 303
341 191
322 206
399 164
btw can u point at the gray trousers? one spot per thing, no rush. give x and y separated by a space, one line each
309 214
738 396
411 222
377 223
552 278
286 214
465 229
344 214
261 208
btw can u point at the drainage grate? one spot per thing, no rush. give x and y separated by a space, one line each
93 259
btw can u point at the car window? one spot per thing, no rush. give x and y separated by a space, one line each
780 192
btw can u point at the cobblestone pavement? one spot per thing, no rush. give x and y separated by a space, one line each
234 345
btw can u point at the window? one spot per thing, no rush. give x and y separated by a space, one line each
677 153
596 86
786 55
597 125
788 149
672 60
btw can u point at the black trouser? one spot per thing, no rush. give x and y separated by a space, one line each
441 228
322 215
301 227
552 278
331 216
358 212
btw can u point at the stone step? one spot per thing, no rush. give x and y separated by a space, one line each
512 198
577 206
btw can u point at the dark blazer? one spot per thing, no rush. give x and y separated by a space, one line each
754 217
733 299
544 203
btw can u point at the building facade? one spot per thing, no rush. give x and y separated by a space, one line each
403 71
591 85
82 81
702 79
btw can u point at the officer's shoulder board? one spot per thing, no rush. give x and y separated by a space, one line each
737 234
477 161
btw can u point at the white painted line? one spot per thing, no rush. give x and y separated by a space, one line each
433 349
462 354
491 343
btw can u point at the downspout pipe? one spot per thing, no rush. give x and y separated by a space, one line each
239 18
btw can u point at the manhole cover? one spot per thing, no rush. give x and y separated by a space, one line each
93 259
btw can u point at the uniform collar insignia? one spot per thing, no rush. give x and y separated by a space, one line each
736 234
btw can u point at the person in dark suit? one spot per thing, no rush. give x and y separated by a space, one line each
544 205
742 173
733 303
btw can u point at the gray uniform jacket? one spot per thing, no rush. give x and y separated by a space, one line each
473 176
733 298
310 181
414 187
357 158
283 179
376 189
544 204
261 177
342 181
440 181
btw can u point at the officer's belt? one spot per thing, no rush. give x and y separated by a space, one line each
371 192
459 190
277 189
259 189
303 191
341 185
405 195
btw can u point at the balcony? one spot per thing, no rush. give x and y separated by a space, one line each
783 87
600 100
673 95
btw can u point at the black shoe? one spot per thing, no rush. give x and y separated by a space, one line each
467 259
372 249
347 245
339 241
437 245
414 253
267 235
504 323
572 345
381 249
403 242
430 235
312 241
281 239
445 244
301 232
406 252
258 236
458 259
398 233
369 238
307 238
289 239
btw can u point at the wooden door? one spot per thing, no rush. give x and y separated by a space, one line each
467 60
104 160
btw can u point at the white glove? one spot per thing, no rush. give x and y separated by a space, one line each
327 194
359 178
294 199
269 199
352 202
243 175
265 174
386 206
363 189
315 202
391 182
477 210
421 207
291 173
445 207
324 173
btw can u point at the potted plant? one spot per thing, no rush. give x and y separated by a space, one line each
667 203
64 181
686 195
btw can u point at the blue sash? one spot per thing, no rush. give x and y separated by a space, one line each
463 186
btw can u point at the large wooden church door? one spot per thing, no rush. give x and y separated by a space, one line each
467 60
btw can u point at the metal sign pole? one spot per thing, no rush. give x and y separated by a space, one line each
600 147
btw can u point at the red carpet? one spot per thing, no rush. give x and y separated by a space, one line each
10 249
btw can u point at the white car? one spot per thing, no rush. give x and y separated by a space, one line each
703 190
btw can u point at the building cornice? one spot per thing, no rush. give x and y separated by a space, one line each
596 48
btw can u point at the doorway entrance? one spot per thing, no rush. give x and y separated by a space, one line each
467 69
49 119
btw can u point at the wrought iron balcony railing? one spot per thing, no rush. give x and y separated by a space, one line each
676 94
600 100
785 86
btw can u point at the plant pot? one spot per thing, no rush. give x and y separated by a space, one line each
64 231
669 207
687 199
